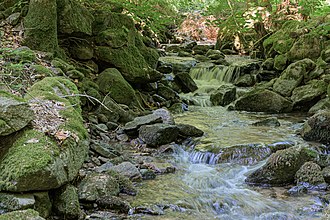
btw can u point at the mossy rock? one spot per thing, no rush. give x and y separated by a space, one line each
280 62
293 76
29 214
281 167
66 202
130 62
35 161
115 38
281 41
263 100
40 30
310 173
82 50
41 70
307 46
64 66
105 20
19 55
317 128
73 18
111 82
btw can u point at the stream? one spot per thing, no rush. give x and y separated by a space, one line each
204 188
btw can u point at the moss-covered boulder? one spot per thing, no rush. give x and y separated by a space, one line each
36 161
73 18
310 173
224 95
292 76
66 202
280 62
29 214
281 167
41 25
14 202
112 83
317 128
307 46
304 97
263 100
281 41
15 113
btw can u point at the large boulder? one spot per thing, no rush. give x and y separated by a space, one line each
317 128
73 18
263 100
224 95
15 113
185 82
158 134
36 161
120 46
307 46
281 167
111 82
292 77
304 97
41 25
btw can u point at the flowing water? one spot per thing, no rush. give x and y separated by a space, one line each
205 188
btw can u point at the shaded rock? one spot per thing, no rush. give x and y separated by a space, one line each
41 31
304 97
221 61
29 214
271 122
224 95
114 203
267 75
268 64
147 174
14 202
158 134
202 49
201 58
75 74
111 82
184 54
281 167
263 100
61 64
179 64
310 173
166 92
125 184
104 150
292 76
323 104
317 128
66 202
15 113
165 114
82 51
73 18
128 170
215 54
185 82
246 80
165 67
97 185
43 204
326 174
186 130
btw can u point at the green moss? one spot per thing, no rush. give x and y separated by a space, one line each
34 150
64 66
41 70
280 62
19 55
105 20
11 96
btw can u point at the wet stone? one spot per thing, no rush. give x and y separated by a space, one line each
129 170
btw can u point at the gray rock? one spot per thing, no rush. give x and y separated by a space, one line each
66 202
281 167
158 134
165 114
128 170
224 95
104 150
14 202
317 128
271 122
114 203
97 185
15 114
140 121
179 64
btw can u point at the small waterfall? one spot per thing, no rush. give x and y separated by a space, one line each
203 157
